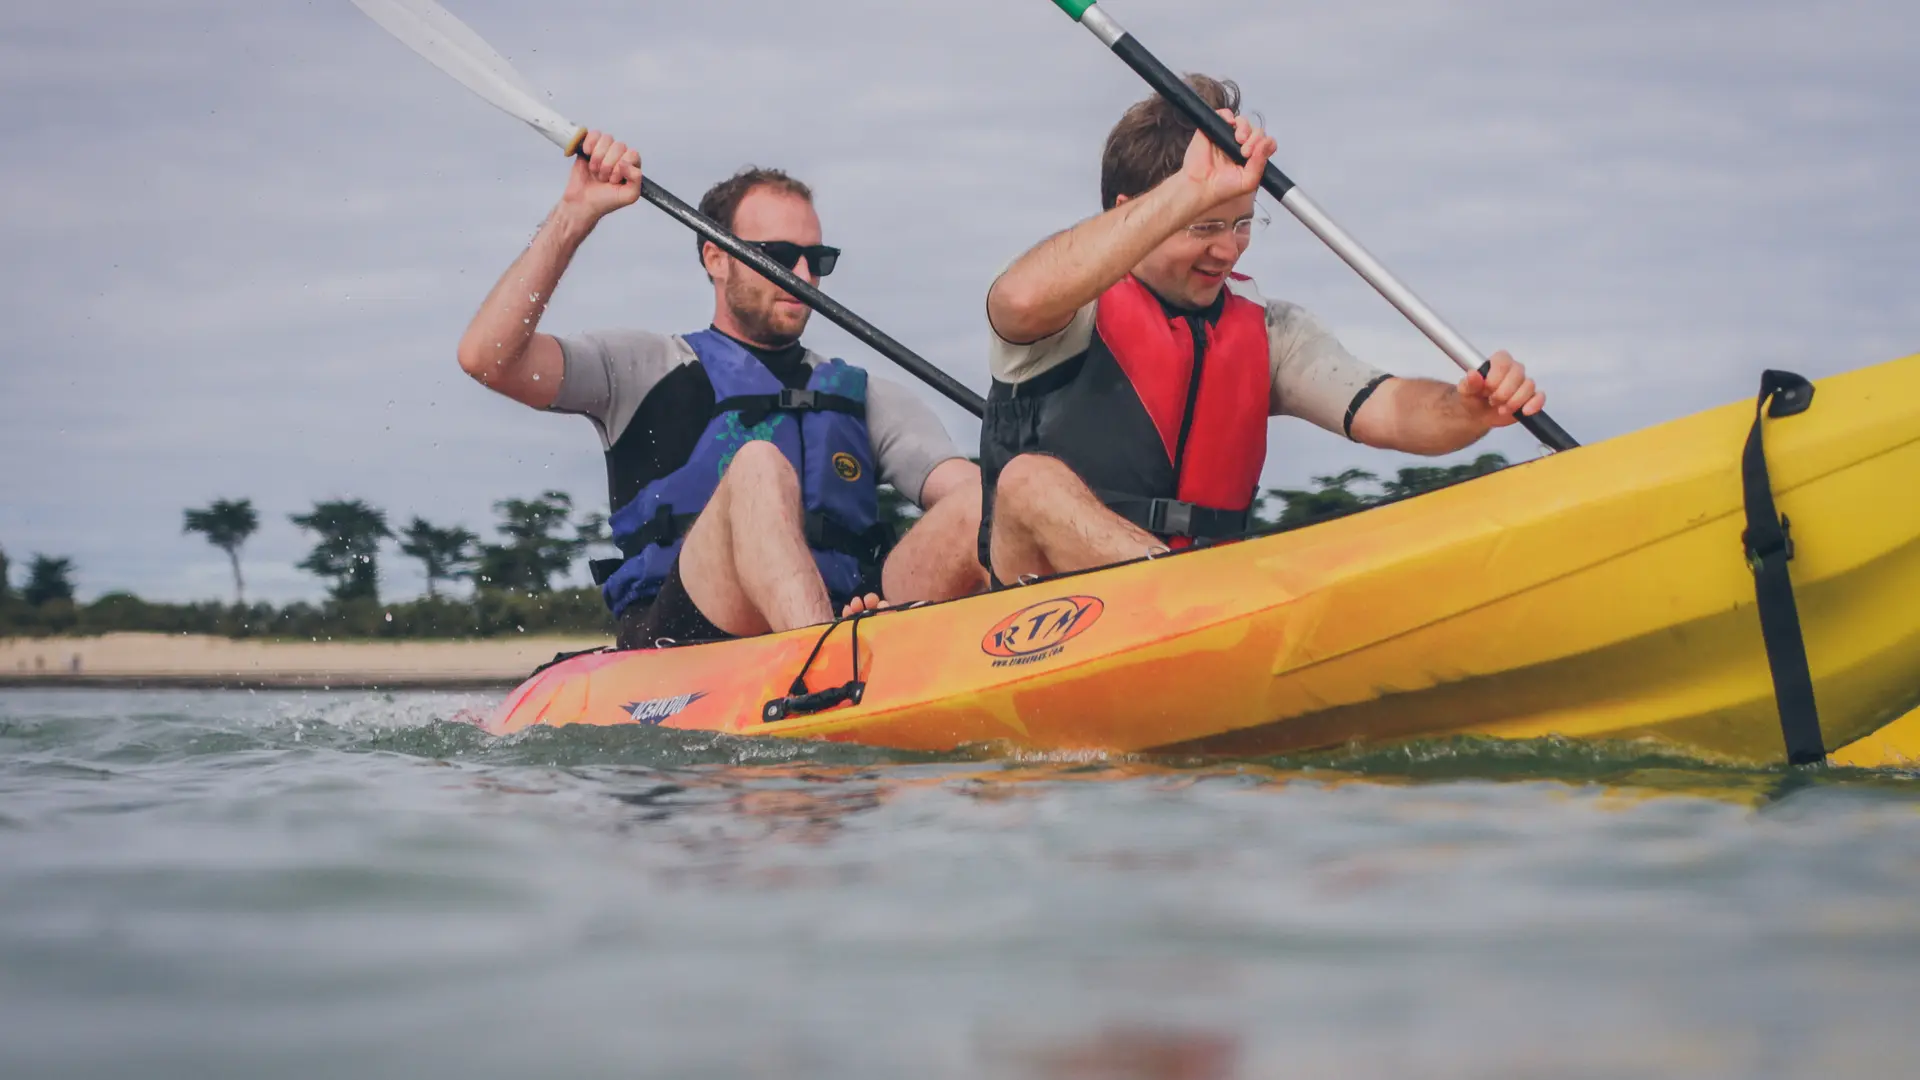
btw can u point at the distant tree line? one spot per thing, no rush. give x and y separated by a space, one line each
540 540
1341 494
487 613
513 579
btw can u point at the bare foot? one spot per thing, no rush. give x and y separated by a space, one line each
869 602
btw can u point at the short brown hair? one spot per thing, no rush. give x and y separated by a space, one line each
1150 141
722 200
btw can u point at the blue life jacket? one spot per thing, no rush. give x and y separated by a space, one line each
822 430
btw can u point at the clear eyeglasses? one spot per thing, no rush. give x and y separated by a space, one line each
1213 230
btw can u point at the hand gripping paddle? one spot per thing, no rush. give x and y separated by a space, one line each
448 44
1181 96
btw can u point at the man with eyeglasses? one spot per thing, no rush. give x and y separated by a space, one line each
1134 371
741 467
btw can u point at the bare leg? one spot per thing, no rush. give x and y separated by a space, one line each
939 557
1046 521
745 563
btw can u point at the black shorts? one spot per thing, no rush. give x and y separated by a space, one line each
672 618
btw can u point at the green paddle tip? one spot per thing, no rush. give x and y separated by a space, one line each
1075 8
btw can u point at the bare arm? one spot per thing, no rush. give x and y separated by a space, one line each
502 348
1424 416
1039 293
954 476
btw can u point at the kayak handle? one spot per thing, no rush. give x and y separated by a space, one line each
800 701
817 701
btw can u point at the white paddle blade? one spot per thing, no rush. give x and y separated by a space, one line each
448 44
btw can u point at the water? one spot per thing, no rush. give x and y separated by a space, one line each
292 885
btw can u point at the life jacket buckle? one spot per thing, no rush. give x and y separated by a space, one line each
659 530
792 400
1170 517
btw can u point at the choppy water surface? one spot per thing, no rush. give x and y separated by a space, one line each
203 884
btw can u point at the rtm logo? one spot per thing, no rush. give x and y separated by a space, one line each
1036 632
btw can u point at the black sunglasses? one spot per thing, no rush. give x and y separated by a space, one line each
787 254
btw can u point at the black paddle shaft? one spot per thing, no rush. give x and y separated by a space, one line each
1275 182
826 305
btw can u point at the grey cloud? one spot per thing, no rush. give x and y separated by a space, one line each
243 238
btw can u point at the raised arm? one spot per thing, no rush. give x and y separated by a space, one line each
502 348
1039 294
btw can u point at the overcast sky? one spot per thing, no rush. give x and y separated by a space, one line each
241 239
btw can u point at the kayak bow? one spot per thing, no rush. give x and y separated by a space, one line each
1605 596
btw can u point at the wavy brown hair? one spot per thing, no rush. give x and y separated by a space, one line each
722 200
1150 141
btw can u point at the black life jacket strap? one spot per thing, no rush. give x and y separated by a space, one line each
1769 544
664 528
1171 517
753 408
823 534
870 547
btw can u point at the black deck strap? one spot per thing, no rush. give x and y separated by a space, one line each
561 658
1171 517
1769 544
754 408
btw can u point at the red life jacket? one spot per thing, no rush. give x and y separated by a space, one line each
1214 428
1178 455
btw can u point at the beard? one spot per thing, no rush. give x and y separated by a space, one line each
752 305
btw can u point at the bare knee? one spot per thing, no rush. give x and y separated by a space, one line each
1032 479
760 466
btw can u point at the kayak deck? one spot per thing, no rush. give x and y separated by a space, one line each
1600 593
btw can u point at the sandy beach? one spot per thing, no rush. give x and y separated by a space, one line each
200 661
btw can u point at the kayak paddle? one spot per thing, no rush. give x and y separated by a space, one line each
1181 96
448 44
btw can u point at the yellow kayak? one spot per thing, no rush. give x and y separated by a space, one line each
1602 593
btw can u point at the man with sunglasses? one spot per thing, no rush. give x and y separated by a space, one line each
1134 371
741 467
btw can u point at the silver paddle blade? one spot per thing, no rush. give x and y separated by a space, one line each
448 44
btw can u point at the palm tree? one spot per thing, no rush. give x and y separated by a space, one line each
1332 496
48 580
226 524
350 533
445 553
1417 479
533 555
